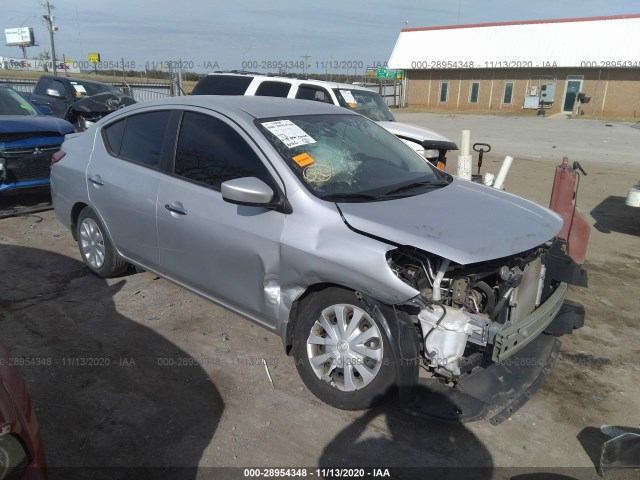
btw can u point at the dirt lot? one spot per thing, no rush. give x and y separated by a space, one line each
135 371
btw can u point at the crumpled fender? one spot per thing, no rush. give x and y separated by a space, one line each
403 340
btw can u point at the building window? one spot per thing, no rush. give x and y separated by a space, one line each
473 92
508 92
444 91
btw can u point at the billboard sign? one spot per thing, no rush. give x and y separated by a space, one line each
19 36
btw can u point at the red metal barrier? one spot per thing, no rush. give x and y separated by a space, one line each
575 229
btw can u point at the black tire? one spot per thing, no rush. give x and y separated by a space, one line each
112 264
330 390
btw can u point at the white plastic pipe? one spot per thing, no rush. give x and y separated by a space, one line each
464 167
465 143
502 174
488 179
633 197
436 295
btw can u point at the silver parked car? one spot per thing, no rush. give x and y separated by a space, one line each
326 229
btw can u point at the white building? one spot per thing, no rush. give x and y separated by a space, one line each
524 65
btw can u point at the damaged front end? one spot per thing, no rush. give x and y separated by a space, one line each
89 110
487 331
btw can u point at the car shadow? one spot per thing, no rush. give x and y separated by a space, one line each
410 446
15 202
114 398
613 215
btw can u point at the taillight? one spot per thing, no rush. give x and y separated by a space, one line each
56 157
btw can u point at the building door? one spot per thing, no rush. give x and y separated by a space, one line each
572 88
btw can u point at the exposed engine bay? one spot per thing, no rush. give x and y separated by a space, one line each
472 315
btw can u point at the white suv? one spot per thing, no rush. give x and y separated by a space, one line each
427 143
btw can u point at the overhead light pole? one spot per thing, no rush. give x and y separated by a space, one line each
52 28
304 67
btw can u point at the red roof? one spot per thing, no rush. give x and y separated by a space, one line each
525 22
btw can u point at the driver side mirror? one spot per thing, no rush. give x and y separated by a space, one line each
250 191
52 92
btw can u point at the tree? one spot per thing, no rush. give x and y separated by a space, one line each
45 55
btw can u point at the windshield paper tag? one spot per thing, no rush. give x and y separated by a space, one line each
348 96
79 88
289 133
303 159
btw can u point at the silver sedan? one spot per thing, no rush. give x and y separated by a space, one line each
326 229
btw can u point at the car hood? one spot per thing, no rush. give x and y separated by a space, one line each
103 103
464 222
10 125
413 132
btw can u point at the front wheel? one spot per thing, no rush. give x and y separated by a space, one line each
96 248
341 352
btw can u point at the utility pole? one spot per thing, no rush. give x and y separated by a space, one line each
304 71
52 28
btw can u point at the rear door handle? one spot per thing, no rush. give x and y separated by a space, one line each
175 208
96 181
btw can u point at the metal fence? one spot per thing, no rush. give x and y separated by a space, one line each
389 89
24 86
140 92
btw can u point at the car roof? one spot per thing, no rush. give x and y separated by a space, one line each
292 80
81 80
257 107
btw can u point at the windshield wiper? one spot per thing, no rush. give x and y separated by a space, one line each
411 186
336 197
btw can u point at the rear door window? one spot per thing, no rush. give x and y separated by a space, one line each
113 136
222 85
273 89
311 92
142 138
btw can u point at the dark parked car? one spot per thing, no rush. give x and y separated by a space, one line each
81 102
28 139
21 453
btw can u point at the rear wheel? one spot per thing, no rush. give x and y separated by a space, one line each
96 248
341 352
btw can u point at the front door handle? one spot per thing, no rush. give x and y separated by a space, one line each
96 180
175 208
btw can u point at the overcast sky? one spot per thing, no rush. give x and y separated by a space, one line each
222 35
